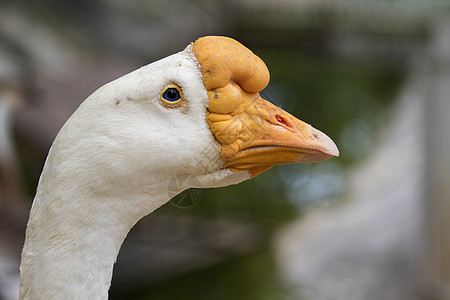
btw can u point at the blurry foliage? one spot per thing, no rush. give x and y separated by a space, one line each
256 280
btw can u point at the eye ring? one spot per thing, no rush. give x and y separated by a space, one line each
171 94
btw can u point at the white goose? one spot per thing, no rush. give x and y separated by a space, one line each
196 113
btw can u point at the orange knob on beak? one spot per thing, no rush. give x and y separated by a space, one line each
255 134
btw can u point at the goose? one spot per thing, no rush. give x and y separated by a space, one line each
194 115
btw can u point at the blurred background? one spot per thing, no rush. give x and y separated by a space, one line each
374 75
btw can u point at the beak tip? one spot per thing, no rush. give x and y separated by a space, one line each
333 150
327 145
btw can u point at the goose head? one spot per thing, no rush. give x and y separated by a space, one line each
195 115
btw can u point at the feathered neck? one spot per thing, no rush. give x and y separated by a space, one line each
75 231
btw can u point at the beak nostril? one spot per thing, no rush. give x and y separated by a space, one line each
283 121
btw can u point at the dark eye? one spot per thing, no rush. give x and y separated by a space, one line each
171 95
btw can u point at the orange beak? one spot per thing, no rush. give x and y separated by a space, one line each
266 136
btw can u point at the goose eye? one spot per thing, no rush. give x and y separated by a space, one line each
171 94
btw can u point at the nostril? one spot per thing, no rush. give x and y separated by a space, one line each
283 121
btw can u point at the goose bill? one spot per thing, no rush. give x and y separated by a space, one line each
278 138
